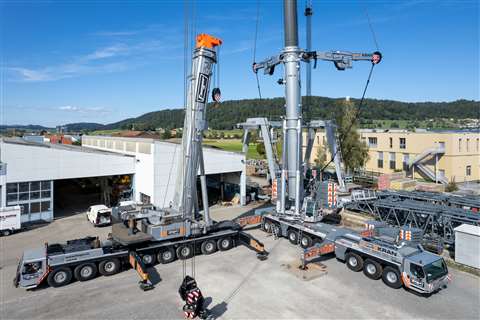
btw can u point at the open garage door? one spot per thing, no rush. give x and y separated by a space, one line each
73 196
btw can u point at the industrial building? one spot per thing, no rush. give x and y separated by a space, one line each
432 156
50 180
157 163
43 178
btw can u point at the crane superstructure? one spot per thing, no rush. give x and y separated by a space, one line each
291 188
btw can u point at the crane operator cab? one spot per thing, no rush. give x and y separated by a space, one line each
425 273
31 269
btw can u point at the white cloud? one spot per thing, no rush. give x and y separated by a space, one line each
108 59
85 110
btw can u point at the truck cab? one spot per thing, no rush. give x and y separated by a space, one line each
31 268
99 215
425 272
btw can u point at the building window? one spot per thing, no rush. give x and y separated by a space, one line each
478 144
459 145
441 173
131 147
380 160
109 144
372 142
403 143
441 144
391 143
25 194
406 161
392 160
468 145
468 171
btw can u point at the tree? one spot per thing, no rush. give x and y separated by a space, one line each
166 135
321 157
354 152
261 149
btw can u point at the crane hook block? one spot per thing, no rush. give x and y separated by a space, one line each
208 41
376 57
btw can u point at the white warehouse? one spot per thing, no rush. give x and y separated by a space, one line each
50 180
156 166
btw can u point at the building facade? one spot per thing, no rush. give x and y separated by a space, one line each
433 156
157 164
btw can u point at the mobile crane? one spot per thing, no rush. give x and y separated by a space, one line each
297 215
142 236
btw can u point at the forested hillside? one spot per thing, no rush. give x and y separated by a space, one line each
227 114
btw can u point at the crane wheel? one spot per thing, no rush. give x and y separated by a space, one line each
372 269
267 226
354 261
185 252
292 236
306 241
391 277
85 271
208 247
109 267
148 259
60 277
277 230
224 244
166 256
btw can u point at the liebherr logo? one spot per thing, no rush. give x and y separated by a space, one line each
202 88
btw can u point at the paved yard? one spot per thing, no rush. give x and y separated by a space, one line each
237 285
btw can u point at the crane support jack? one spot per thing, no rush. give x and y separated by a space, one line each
136 262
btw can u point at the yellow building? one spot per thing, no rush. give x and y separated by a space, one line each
434 156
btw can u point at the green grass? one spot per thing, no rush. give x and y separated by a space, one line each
104 132
234 145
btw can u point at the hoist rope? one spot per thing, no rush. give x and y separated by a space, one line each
342 137
359 108
374 36
185 94
255 48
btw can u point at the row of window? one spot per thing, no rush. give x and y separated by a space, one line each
27 191
467 144
35 207
373 142
392 161
129 146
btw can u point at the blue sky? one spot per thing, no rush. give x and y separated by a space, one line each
103 61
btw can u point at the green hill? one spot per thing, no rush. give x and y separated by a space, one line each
227 114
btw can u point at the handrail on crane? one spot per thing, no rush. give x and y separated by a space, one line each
208 41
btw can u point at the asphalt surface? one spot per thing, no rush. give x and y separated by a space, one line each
236 284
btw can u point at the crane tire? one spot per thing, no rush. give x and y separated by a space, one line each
166 256
391 277
208 247
354 261
224 243
372 269
109 267
85 272
59 277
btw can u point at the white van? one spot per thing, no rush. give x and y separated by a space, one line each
9 220
99 215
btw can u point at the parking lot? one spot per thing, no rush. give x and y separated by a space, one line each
236 284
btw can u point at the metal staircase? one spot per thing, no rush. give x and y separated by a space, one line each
417 163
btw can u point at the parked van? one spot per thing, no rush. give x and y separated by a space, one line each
99 215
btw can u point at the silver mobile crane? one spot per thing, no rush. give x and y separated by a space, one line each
143 235
393 254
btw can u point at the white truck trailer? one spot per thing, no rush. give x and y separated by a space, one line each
10 220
